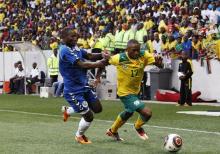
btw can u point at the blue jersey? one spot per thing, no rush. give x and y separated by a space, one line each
74 78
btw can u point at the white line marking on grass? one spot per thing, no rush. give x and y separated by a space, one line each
109 121
203 113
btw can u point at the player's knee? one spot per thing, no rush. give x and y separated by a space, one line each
126 115
146 115
88 116
89 119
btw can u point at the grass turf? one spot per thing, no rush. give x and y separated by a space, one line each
34 133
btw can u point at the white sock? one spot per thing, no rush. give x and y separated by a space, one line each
83 126
70 110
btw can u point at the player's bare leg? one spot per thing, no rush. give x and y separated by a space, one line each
120 121
96 107
144 115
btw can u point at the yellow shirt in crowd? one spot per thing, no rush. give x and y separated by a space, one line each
172 45
165 46
151 48
197 46
2 5
183 30
2 16
148 24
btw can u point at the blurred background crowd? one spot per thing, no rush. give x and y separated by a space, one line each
164 27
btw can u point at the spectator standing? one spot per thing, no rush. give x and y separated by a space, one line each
185 75
53 65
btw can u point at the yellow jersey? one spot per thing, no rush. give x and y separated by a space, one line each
130 71
197 46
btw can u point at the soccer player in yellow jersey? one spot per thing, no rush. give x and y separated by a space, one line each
130 69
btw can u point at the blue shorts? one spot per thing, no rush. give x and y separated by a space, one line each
80 102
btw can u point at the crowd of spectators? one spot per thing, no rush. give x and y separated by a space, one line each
161 26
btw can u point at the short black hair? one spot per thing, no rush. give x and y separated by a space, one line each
132 41
65 32
19 62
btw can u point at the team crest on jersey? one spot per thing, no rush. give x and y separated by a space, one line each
84 104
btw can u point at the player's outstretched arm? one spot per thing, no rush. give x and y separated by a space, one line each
98 56
88 65
94 56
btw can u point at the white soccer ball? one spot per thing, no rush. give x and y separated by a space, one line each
173 143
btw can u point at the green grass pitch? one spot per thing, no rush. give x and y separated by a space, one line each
29 124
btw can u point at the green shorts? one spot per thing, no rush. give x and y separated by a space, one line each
132 103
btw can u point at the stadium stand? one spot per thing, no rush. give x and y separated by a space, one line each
111 23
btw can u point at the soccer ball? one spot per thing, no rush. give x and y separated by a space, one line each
173 143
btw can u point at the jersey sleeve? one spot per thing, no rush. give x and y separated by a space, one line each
114 60
149 58
66 55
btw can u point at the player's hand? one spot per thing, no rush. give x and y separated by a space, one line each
106 54
97 81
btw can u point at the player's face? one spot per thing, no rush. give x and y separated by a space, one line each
184 56
133 51
34 65
71 39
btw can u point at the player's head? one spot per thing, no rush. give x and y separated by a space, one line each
184 56
69 37
34 65
133 49
19 62
20 67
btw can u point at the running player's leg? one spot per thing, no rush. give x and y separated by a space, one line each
119 122
93 102
79 105
144 116
67 110
132 103
84 124
128 102
96 107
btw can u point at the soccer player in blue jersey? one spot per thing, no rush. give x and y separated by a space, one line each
73 67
